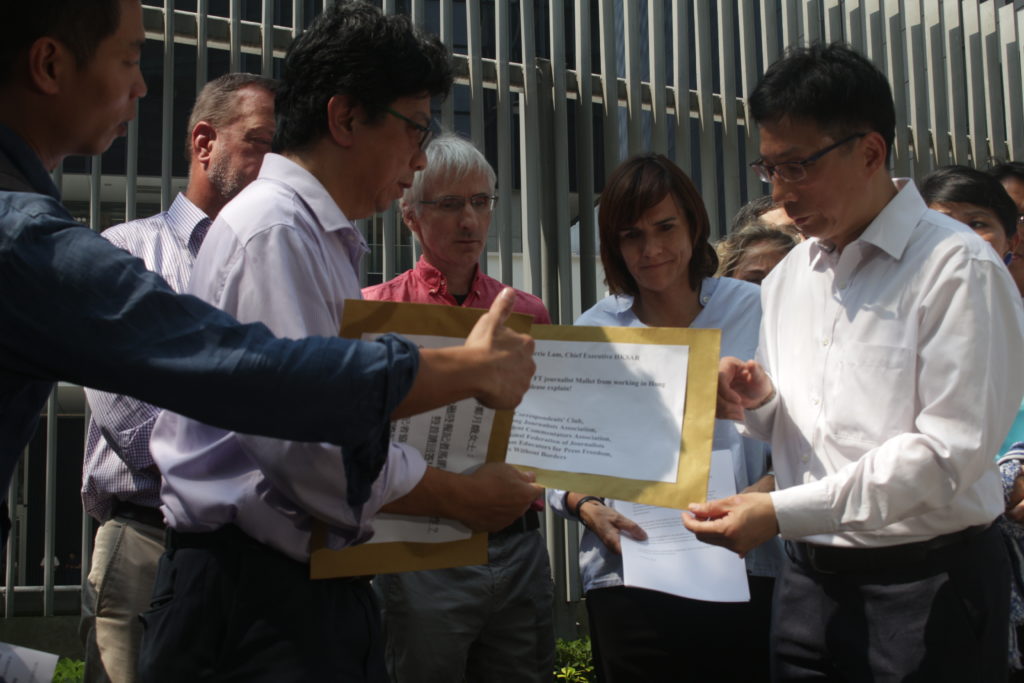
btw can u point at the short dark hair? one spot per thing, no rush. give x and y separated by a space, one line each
831 86
634 187
79 24
353 49
971 186
1008 169
216 101
751 211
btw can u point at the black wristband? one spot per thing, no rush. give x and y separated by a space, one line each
580 503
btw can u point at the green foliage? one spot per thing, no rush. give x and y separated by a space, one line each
69 671
573 661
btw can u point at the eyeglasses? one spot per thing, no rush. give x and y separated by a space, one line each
427 132
795 171
453 203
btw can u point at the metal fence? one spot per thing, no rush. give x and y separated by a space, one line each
557 93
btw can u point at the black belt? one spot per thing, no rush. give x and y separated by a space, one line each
528 522
233 540
139 513
827 559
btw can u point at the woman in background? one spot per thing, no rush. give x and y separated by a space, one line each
751 252
659 267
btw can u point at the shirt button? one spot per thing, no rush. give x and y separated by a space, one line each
825 341
816 401
704 300
805 458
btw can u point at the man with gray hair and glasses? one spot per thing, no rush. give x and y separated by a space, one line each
230 129
490 622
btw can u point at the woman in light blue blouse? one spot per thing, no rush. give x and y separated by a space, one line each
659 265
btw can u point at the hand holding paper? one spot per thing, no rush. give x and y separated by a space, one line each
487 499
739 523
607 523
494 366
742 385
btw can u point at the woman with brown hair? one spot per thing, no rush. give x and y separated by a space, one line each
659 267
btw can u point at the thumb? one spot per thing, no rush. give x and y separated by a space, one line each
501 309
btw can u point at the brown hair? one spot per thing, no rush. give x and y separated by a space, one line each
216 103
633 188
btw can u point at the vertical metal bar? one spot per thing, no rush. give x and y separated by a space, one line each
476 87
131 173
705 67
167 112
448 38
918 93
681 67
95 201
790 24
769 32
85 552
298 17
728 198
1009 52
556 18
874 33
267 53
853 18
993 101
530 197
956 81
938 119
634 99
13 508
1017 150
749 75
975 65
656 62
235 42
893 41
609 86
833 12
202 63
50 514
810 21
585 158
388 219
504 105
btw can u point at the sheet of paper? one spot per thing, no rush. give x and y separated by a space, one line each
452 438
672 560
24 665
592 405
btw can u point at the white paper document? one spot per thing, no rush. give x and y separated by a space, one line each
452 438
672 560
612 409
24 665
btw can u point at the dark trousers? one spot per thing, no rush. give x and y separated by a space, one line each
227 608
643 635
944 618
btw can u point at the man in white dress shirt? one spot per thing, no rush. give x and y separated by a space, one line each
233 598
230 129
887 376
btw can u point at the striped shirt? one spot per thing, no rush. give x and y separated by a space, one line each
118 465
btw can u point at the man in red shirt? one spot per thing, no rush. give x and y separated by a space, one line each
490 622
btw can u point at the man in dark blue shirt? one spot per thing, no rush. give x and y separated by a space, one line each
74 307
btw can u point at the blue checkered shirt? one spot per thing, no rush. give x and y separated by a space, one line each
117 464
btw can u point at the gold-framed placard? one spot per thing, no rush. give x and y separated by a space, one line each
688 479
462 431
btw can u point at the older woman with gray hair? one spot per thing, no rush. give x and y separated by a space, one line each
490 622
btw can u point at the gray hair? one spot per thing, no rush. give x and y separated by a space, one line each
451 158
732 248
216 101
